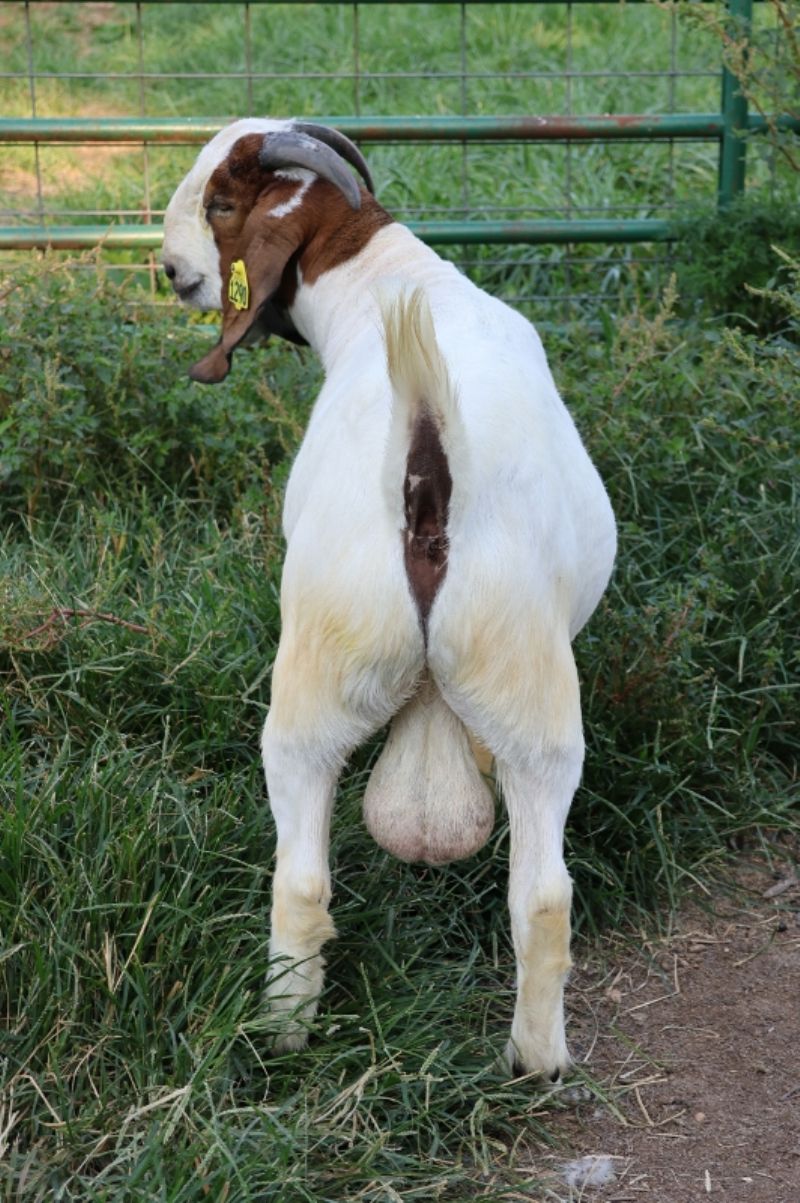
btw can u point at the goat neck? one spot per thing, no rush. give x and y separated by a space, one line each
343 274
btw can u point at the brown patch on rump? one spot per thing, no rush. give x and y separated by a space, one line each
426 491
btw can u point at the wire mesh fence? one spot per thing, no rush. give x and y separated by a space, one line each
105 103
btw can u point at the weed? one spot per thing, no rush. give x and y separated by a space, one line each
763 54
728 263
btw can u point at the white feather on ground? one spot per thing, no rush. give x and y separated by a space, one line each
594 1170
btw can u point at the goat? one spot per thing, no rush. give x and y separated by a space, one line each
447 536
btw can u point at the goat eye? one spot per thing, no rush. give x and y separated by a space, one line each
219 208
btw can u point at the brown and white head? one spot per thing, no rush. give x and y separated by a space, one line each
267 203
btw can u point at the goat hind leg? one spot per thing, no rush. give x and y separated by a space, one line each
301 790
523 703
317 716
540 891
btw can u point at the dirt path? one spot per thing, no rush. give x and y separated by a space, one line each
694 1041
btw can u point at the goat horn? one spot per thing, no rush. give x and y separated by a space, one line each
296 149
342 145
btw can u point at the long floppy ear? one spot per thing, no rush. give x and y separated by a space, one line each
252 270
253 262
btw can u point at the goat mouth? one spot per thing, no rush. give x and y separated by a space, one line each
187 291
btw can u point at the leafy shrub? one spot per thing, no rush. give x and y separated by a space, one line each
721 258
94 399
690 667
687 668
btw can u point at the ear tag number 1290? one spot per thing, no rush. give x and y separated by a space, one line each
238 288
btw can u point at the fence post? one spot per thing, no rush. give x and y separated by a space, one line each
733 145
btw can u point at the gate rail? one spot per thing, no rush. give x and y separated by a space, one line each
730 127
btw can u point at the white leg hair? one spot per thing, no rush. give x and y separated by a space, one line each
538 797
301 791
334 682
518 692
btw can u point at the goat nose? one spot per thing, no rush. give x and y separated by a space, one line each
169 271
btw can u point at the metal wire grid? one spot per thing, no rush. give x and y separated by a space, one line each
147 212
574 269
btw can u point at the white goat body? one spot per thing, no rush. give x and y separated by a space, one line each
444 600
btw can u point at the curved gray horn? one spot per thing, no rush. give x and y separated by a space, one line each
342 145
291 148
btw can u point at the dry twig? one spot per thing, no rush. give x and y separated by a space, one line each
65 613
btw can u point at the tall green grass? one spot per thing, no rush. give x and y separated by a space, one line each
138 621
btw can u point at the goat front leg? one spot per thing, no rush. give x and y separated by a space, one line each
540 893
301 790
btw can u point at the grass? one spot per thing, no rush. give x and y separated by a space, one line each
138 622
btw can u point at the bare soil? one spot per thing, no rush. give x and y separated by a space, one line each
690 1042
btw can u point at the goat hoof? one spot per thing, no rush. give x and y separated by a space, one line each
544 1075
290 1042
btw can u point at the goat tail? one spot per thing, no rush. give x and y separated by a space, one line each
417 370
425 406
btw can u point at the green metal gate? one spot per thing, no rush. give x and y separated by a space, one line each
460 176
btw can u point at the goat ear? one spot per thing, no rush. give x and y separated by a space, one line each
252 270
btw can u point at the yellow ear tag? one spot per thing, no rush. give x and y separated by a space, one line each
238 288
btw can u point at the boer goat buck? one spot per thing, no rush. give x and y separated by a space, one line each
447 536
